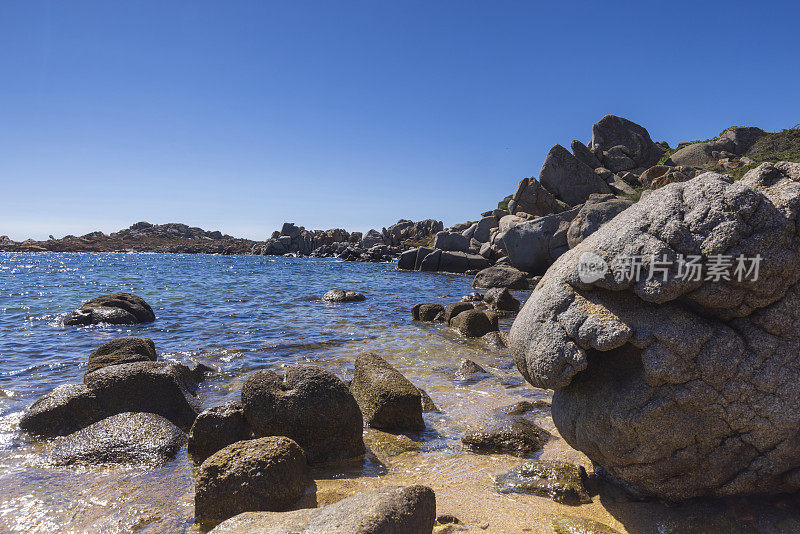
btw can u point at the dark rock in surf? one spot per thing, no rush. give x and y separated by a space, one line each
117 308
387 399
216 428
122 350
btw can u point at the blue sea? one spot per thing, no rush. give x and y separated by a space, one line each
236 314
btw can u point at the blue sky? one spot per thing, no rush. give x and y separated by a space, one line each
239 115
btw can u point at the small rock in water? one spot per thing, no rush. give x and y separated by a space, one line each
122 350
310 405
427 402
64 410
452 310
513 435
474 323
496 340
499 298
579 525
472 297
340 295
426 312
469 370
269 474
126 438
554 479
522 408
500 276
386 398
117 308
216 428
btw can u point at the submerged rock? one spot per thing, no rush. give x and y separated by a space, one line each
125 438
387 399
268 474
122 350
427 402
117 308
216 428
680 387
392 509
496 340
310 405
581 525
340 295
467 370
554 479
513 435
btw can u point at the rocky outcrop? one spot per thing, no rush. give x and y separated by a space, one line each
532 198
340 295
622 145
500 276
661 175
259 474
598 210
452 241
216 428
125 438
122 350
117 308
387 510
310 405
680 387
570 180
387 399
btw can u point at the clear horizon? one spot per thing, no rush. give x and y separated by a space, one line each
240 116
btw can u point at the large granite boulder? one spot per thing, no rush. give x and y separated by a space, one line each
267 474
742 137
387 510
125 438
164 388
680 386
597 211
500 276
387 399
122 350
216 428
310 405
622 145
117 308
532 198
534 245
371 239
451 241
484 227
570 180
695 155
584 155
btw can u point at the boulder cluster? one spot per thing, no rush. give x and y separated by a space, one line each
679 386
374 245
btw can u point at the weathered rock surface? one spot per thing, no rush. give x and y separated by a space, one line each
268 474
661 175
474 323
122 350
117 308
622 145
680 387
340 295
598 210
453 241
512 435
532 198
426 312
310 405
534 245
125 438
216 428
500 276
469 370
570 180
554 479
581 525
499 298
451 310
387 399
388 510
64 410
163 388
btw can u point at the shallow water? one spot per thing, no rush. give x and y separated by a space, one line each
243 313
